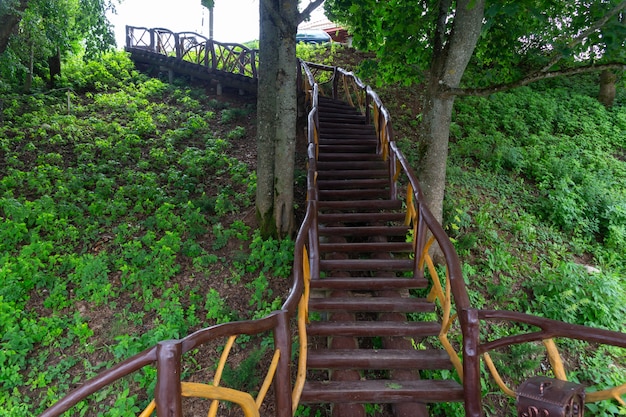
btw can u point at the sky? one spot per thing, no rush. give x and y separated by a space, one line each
233 20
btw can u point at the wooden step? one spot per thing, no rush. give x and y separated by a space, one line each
378 359
363 230
341 117
381 391
338 156
353 183
348 151
326 218
339 127
357 194
347 136
360 205
372 304
368 283
350 165
367 264
370 140
367 247
352 174
373 328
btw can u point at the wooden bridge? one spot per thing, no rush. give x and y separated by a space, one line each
369 313
189 53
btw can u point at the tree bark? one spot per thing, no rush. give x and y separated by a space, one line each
448 65
287 114
606 95
277 113
266 120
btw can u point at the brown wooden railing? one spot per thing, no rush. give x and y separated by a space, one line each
195 48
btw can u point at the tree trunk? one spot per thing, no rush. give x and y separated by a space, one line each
266 121
449 62
287 108
276 117
607 88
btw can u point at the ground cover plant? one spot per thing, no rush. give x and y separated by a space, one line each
127 218
535 205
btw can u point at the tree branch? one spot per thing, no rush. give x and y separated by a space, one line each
304 14
537 76
582 36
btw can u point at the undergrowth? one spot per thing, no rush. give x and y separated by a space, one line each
125 204
535 204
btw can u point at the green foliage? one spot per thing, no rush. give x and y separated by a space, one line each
270 255
111 212
517 38
69 28
581 181
247 375
535 198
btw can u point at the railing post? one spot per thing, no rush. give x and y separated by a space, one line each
178 47
153 47
282 380
471 362
213 54
253 64
167 392
128 36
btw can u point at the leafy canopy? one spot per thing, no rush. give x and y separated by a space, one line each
518 38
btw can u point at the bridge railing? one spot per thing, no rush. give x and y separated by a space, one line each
195 48
448 288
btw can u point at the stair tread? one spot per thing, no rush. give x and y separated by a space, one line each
347 152
357 183
382 391
367 247
373 328
363 283
350 165
337 153
378 359
363 230
353 194
371 304
326 218
347 174
360 205
367 264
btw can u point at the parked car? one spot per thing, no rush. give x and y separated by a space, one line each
315 36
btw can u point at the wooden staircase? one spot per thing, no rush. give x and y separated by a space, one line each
365 343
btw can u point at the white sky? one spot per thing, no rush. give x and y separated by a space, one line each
233 20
